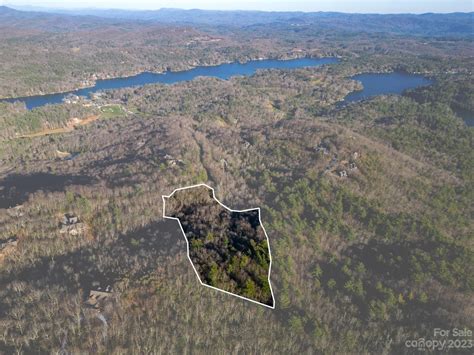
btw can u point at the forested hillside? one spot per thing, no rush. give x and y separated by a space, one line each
228 249
361 261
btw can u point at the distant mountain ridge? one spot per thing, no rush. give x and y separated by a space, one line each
429 24
11 18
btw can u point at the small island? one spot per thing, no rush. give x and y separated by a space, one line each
228 249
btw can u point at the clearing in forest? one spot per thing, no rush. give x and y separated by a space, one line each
228 249
71 125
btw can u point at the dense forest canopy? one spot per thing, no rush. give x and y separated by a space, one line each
368 205
228 249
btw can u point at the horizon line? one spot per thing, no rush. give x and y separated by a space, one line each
39 8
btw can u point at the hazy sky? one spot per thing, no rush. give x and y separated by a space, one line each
366 6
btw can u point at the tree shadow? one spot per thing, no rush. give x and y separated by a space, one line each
16 188
132 255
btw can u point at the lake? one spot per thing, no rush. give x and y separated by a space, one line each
386 83
374 83
223 71
395 83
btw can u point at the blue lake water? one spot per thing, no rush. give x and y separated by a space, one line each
374 83
395 83
386 83
223 71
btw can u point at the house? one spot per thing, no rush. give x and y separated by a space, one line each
69 219
74 229
322 148
70 224
98 297
343 173
172 161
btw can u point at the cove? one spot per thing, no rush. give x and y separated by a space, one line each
375 84
386 83
223 71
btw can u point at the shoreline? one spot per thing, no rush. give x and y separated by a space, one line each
93 82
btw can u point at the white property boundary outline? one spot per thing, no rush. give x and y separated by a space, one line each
164 197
